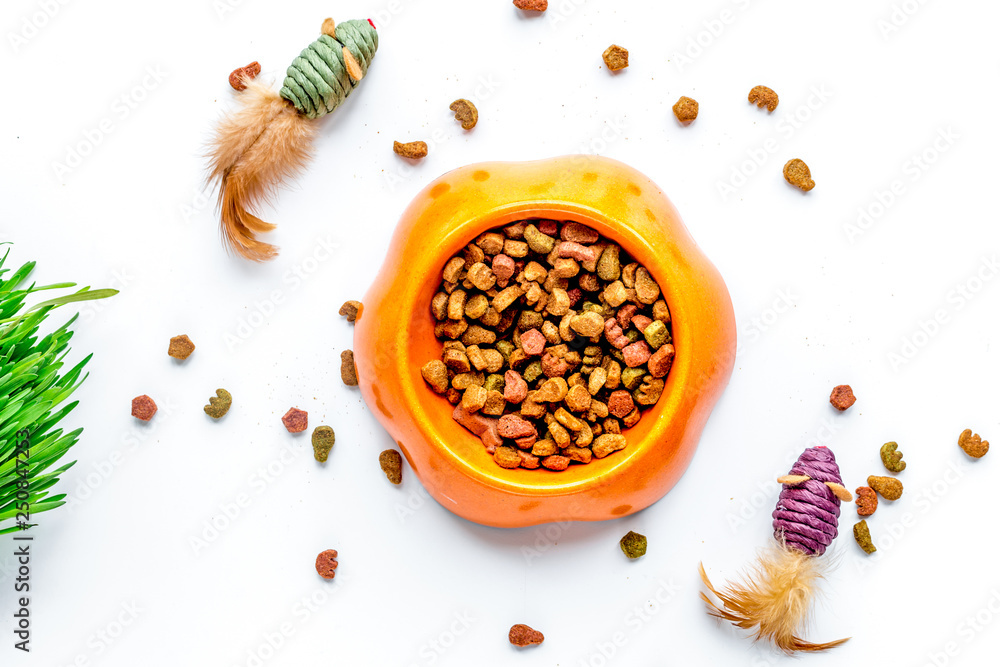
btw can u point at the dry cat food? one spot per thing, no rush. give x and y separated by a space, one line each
615 57
842 397
863 537
413 149
686 110
219 404
323 439
239 77
972 444
143 407
867 500
466 112
554 338
532 5
524 635
797 173
763 96
889 488
348 371
296 420
892 459
633 545
350 310
180 347
391 463
326 564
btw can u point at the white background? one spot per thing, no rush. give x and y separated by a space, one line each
418 586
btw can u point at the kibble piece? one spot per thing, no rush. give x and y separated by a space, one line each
466 112
507 457
453 269
686 110
295 420
659 362
891 458
633 544
587 324
972 444
532 6
889 488
435 374
143 407
556 462
867 500
180 347
646 289
578 398
842 397
413 150
219 404
326 564
474 398
649 391
323 439
351 310
607 443
239 77
863 537
797 173
520 634
763 96
495 402
348 371
615 57
391 463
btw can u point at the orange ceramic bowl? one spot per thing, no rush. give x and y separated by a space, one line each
394 337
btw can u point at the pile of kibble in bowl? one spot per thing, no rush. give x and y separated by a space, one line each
555 340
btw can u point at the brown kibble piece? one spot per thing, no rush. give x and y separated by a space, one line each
296 420
867 500
615 57
465 113
507 457
523 635
239 76
413 150
889 488
686 110
763 96
972 444
435 374
348 371
326 564
797 173
143 407
532 5
351 310
180 347
863 537
842 397
391 463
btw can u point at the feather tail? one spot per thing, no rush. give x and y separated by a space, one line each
773 600
254 149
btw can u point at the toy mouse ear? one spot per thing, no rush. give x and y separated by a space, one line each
840 491
329 28
793 480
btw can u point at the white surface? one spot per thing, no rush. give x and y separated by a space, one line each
423 587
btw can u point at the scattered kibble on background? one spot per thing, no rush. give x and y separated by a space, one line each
348 371
763 97
797 173
889 488
532 5
326 564
296 420
323 439
180 347
892 459
615 57
391 463
413 150
972 444
239 76
466 113
633 545
524 635
842 397
867 500
686 110
219 404
351 310
863 537
143 407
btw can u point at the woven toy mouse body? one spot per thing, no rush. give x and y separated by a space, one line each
269 138
774 599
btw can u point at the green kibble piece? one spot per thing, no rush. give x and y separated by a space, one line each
505 347
863 537
633 335
609 266
219 404
540 243
634 545
892 459
494 382
632 377
322 441
533 371
593 307
656 334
